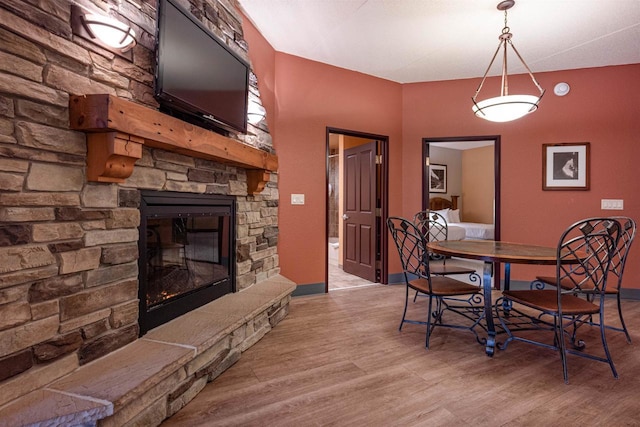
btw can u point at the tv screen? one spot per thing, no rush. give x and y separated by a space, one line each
197 76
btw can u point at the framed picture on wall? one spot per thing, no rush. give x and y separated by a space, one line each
437 178
565 166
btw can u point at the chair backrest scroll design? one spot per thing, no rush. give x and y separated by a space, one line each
411 247
432 225
584 254
627 234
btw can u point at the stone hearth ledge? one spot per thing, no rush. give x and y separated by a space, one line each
152 378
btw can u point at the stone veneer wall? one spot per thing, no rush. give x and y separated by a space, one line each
68 248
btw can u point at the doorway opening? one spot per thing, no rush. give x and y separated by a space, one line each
470 166
357 188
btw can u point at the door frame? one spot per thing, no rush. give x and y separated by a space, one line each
383 187
496 181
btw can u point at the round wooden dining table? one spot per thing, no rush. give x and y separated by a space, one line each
492 252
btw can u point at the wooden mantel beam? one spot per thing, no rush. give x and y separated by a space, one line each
108 115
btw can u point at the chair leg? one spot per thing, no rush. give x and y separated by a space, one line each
559 331
437 316
624 326
606 347
406 302
429 326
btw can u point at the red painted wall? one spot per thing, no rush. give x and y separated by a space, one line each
309 97
602 108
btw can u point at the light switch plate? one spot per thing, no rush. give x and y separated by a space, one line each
297 199
612 204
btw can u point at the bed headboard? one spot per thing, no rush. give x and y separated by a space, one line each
438 203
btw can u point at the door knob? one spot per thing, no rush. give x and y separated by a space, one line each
345 216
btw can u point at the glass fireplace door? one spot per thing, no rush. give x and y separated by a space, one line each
187 255
184 254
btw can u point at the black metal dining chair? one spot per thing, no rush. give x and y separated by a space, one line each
446 293
584 254
616 268
435 229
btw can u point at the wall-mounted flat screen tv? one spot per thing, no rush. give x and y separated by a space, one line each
198 78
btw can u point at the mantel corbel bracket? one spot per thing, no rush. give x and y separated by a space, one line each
111 156
256 180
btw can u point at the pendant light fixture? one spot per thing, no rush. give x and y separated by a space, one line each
505 107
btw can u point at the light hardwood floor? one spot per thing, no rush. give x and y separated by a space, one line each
338 359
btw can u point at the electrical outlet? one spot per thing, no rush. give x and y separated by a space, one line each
612 204
297 199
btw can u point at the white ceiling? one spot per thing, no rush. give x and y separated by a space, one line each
429 40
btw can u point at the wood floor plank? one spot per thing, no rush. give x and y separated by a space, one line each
338 359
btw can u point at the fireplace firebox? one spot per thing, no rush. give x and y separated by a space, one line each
186 253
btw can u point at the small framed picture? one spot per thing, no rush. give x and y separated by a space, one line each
565 166
437 178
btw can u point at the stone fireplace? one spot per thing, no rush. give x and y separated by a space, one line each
70 218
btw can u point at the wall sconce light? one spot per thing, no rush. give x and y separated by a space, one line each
255 112
103 30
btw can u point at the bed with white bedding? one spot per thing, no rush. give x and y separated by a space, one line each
458 230
454 232
473 230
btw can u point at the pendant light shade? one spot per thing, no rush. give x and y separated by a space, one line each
505 108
